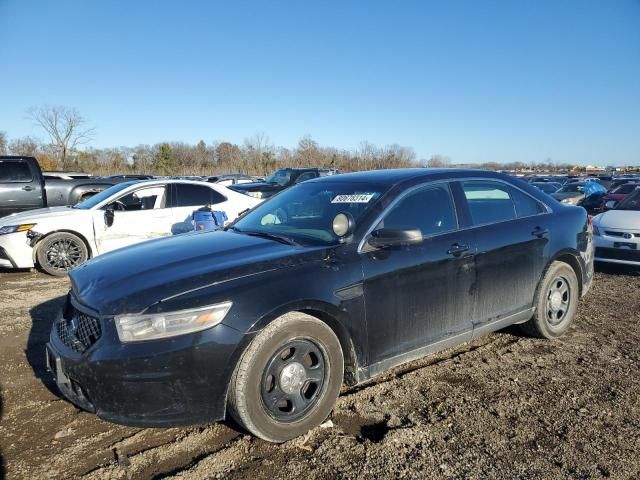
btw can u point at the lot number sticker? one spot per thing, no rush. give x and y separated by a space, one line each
355 198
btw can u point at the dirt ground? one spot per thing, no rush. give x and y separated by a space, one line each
504 406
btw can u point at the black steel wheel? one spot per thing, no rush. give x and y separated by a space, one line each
293 379
555 303
60 252
287 380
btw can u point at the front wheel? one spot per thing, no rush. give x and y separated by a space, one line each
60 252
556 302
288 379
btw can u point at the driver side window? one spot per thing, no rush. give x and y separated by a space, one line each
430 209
143 199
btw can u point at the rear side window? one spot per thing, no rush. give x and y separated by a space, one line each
196 195
492 202
430 209
525 205
11 171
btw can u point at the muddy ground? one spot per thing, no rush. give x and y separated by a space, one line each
505 406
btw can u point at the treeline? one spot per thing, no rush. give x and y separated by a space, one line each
255 157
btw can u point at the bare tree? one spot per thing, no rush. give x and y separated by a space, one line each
27 146
438 161
66 128
3 143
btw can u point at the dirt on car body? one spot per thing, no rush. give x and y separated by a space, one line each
502 406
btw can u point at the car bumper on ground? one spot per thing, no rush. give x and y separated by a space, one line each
618 247
178 381
15 251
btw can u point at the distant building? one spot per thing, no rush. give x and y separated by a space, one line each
594 169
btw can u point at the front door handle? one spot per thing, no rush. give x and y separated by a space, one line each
27 188
540 232
457 249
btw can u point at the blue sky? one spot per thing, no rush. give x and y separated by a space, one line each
474 80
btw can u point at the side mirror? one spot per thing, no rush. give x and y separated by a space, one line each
109 216
610 204
389 237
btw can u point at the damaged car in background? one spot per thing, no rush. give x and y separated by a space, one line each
333 281
58 239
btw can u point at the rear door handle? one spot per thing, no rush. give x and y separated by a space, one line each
27 188
457 249
540 232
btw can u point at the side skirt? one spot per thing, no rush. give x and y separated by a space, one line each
366 373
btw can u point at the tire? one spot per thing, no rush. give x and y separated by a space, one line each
60 252
556 303
267 372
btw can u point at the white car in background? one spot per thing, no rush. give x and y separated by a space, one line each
60 238
616 232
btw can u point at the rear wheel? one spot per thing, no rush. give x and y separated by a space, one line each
556 302
288 379
60 252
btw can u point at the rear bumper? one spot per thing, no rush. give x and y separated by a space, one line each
173 382
15 251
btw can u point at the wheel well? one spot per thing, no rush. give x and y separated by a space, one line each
572 261
79 235
348 350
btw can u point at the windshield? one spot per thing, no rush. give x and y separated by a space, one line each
103 195
631 202
281 177
305 213
572 188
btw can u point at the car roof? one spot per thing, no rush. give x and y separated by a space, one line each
394 176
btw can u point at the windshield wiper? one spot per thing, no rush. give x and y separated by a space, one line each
270 236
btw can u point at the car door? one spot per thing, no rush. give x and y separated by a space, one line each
417 295
137 216
20 187
188 197
511 231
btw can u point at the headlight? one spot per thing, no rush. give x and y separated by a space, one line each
596 232
16 228
255 194
137 328
571 201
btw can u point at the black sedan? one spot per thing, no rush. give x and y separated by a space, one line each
332 281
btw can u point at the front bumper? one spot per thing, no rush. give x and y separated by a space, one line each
15 251
164 383
618 249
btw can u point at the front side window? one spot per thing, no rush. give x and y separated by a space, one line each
306 176
144 199
11 171
430 209
188 195
280 177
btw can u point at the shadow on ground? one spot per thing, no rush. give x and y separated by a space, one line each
617 269
42 317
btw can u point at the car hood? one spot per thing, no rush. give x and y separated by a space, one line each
131 279
33 216
619 219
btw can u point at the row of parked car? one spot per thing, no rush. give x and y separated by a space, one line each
334 280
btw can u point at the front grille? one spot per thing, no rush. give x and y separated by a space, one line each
618 254
620 234
79 331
